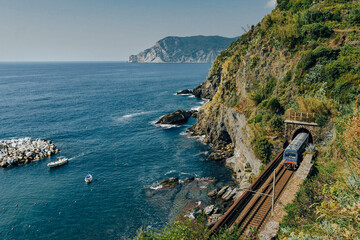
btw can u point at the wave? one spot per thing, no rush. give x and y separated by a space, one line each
185 133
197 108
166 126
171 171
156 187
202 153
131 115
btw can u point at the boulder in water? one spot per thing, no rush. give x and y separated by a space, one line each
213 193
186 91
189 179
170 182
177 117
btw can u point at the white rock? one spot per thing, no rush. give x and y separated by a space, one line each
209 209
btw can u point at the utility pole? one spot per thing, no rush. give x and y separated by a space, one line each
273 194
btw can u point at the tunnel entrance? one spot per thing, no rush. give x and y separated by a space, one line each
293 128
303 130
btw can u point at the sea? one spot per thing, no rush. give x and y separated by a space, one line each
101 115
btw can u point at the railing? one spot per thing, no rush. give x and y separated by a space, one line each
301 116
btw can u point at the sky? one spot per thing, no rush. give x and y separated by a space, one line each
111 30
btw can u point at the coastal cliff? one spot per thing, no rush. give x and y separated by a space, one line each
298 58
195 49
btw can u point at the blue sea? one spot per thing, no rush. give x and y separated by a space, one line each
101 115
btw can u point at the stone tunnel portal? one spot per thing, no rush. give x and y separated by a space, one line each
302 130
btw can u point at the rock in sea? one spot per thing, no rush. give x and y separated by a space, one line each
170 182
177 117
186 91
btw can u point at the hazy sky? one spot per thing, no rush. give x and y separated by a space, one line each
111 30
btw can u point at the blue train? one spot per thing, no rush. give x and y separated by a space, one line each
293 153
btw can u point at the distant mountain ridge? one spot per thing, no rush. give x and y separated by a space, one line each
194 49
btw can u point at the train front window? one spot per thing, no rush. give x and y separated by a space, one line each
290 155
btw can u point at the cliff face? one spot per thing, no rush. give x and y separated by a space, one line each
300 57
196 49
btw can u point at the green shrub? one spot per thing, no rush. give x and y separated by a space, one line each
258 118
257 95
354 17
275 106
344 92
287 77
254 61
318 55
294 6
276 123
315 74
282 4
316 16
270 85
262 149
315 31
321 120
334 69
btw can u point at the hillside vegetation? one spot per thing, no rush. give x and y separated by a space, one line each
304 56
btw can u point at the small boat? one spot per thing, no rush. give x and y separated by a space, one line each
88 178
59 162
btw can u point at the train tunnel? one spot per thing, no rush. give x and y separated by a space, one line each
300 130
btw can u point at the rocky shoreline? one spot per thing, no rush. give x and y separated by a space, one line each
220 197
14 152
226 133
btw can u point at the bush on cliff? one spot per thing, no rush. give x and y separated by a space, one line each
262 149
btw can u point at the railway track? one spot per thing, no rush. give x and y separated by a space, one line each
259 208
254 207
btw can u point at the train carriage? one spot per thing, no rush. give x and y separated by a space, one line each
293 153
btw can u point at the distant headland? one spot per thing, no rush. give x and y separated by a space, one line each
195 49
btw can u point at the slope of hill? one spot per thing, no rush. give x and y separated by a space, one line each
196 49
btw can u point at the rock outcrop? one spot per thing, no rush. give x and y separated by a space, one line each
195 49
222 126
178 117
208 88
15 152
185 92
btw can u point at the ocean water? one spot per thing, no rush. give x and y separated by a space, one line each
101 116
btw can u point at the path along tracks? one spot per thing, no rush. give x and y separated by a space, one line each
253 208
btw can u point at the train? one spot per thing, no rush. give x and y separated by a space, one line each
292 155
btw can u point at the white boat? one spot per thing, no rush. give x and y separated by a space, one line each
59 162
88 178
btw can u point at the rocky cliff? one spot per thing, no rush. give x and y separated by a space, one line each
196 49
303 57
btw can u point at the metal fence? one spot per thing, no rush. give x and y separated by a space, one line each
301 116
